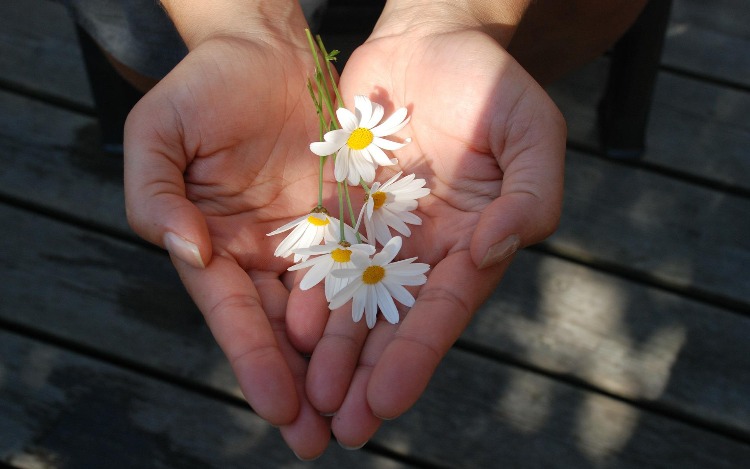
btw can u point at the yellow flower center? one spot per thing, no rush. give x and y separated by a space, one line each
317 221
341 255
360 139
373 274
378 199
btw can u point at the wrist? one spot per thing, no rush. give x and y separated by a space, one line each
198 20
498 19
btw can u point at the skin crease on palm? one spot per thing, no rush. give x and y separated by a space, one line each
485 137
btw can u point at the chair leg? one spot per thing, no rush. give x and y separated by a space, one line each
113 96
624 109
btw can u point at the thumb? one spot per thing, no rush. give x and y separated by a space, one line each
529 206
155 199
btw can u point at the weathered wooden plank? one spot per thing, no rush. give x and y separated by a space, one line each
51 158
710 39
666 229
695 128
633 341
475 411
477 414
59 409
39 51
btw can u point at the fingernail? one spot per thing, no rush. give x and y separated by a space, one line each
500 251
183 249
312 458
328 414
351 448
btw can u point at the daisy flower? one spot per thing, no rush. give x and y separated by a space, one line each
376 282
330 256
390 205
309 230
359 144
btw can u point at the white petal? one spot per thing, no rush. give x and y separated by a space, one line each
410 280
347 273
317 250
341 168
389 251
382 233
347 119
316 274
324 148
407 267
387 184
360 260
387 306
394 222
390 144
288 226
363 248
393 124
290 242
358 304
334 285
346 294
303 265
361 168
379 157
362 109
410 218
398 292
371 306
377 114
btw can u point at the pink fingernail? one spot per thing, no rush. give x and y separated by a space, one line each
183 249
500 251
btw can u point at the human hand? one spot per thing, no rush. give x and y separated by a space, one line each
216 156
490 144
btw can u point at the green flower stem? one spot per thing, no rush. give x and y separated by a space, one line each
342 233
321 81
330 58
322 129
321 98
352 217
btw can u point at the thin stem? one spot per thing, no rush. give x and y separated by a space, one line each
342 233
320 80
351 212
330 58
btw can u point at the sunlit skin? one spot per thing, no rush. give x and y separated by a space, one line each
218 153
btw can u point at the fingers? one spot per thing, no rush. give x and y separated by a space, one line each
355 423
532 161
155 162
334 360
306 316
444 306
235 314
308 435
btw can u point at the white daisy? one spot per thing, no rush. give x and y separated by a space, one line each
390 205
309 230
375 282
330 256
359 144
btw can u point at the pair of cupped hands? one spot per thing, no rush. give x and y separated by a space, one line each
217 155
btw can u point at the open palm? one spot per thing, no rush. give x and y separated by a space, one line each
217 155
490 144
